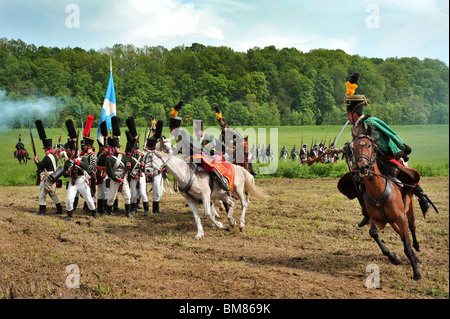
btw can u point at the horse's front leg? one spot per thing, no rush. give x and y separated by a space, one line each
394 258
194 207
206 203
402 229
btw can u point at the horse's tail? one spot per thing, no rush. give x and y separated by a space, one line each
250 186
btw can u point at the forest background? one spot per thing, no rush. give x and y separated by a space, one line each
260 87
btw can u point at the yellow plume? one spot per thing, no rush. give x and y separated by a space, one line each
351 87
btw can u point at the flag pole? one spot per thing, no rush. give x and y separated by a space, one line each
110 61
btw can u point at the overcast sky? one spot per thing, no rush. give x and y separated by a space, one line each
371 28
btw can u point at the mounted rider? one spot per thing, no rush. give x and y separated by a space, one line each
19 147
392 152
192 150
236 145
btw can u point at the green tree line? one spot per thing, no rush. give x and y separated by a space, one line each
263 86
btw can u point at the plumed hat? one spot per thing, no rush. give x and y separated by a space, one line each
220 118
175 120
354 103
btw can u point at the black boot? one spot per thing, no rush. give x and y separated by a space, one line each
251 170
133 208
100 208
156 208
75 203
58 209
223 182
146 206
86 209
94 213
116 207
424 201
108 210
137 204
41 210
69 215
366 219
128 211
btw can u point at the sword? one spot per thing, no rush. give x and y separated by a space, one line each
335 143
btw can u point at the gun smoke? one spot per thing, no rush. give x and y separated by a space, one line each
14 112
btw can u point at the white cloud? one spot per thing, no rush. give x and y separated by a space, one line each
141 21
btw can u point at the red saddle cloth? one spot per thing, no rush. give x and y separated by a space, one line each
225 169
17 152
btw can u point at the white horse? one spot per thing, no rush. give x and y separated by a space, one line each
195 184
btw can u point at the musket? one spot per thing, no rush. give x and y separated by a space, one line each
73 169
38 171
310 160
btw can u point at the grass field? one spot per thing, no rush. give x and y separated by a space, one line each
429 143
301 243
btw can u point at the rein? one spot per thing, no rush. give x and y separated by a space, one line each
188 186
371 161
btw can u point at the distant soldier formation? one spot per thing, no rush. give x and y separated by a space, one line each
302 154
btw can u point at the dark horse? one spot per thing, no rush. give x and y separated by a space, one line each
386 203
22 156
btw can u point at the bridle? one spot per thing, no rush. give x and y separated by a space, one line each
149 159
369 161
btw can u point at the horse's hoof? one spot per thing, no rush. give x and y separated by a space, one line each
417 277
242 229
198 237
396 260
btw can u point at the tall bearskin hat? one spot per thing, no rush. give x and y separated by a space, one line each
72 139
220 118
87 130
131 126
115 122
130 141
47 142
175 120
104 133
354 103
151 142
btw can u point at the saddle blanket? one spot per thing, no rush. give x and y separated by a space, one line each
225 169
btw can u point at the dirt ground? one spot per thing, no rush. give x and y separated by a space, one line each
303 242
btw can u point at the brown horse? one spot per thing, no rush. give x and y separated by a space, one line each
386 203
22 156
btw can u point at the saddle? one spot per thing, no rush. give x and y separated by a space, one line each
393 169
224 168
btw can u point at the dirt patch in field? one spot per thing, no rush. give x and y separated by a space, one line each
301 243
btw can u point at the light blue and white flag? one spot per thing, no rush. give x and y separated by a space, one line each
108 109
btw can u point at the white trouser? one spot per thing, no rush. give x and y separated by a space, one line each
80 187
45 187
141 190
102 191
158 187
114 190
